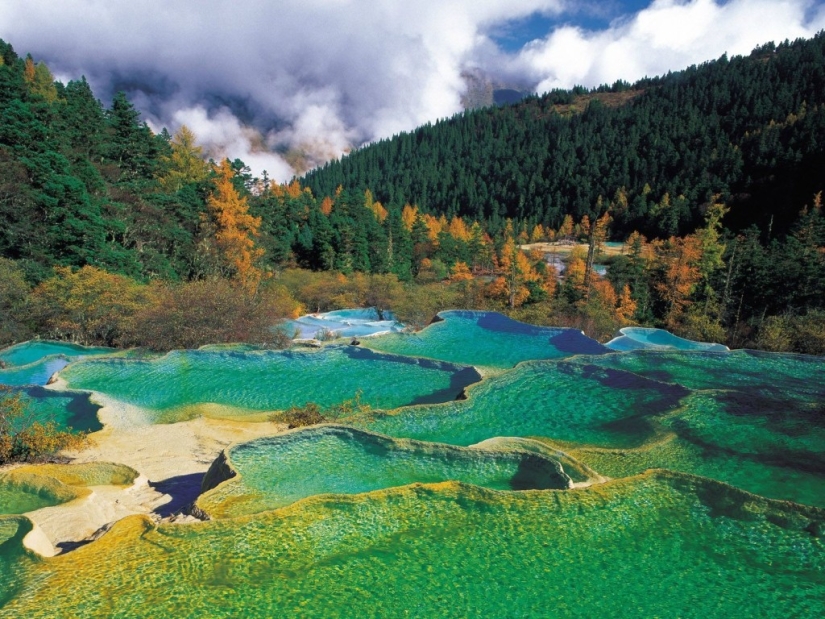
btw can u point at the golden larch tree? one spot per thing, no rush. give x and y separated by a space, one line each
408 216
185 164
566 229
39 79
458 229
235 230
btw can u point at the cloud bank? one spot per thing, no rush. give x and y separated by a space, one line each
290 84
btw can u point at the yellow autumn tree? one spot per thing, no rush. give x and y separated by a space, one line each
294 189
626 305
434 226
566 229
458 229
39 80
584 227
677 261
234 230
460 272
376 207
408 216
515 272
186 163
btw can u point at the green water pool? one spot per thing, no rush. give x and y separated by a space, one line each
35 350
563 400
275 472
172 387
658 545
337 520
65 409
34 362
485 339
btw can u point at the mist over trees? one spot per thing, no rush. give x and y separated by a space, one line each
750 130
711 177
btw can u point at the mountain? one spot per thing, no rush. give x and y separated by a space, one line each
483 91
749 131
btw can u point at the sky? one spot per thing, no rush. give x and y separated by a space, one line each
289 84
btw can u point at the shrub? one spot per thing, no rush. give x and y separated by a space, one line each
210 312
311 413
299 416
25 440
88 306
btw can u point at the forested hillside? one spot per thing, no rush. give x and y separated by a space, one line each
114 235
750 130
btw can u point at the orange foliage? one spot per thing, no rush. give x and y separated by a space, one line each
28 71
605 293
294 190
235 228
551 281
376 207
566 229
516 271
434 226
458 229
408 215
584 226
627 306
326 205
678 260
460 272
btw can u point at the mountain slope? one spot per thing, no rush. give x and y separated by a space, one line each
751 129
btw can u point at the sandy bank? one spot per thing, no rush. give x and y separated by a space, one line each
171 460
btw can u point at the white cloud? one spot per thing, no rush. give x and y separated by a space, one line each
668 35
316 77
222 135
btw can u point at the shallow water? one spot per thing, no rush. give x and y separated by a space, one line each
561 400
784 377
347 323
19 500
657 544
34 362
35 350
23 490
486 339
275 472
65 409
752 420
173 387
774 452
652 546
641 338
14 559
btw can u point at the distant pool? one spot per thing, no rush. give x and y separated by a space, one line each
486 339
638 338
347 323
